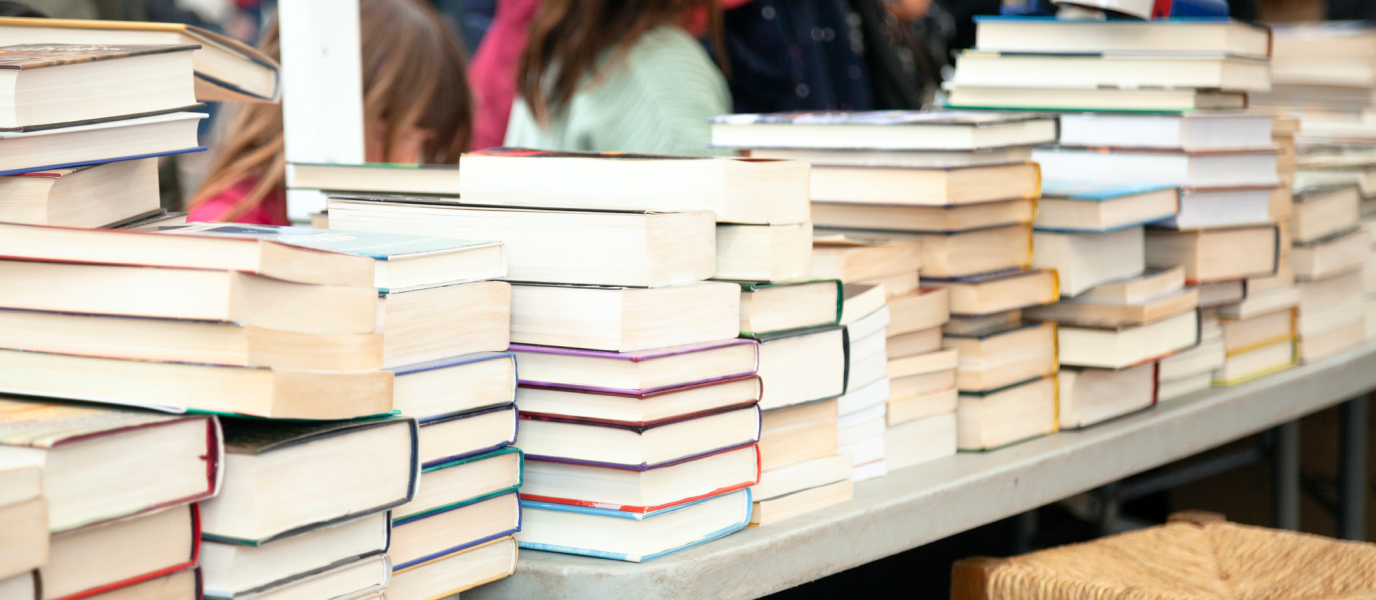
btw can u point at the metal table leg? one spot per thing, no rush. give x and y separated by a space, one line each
1285 489
1352 480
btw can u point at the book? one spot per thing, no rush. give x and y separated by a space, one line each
1263 302
640 447
55 84
96 143
639 409
1091 396
1204 358
1119 347
554 246
773 510
773 307
385 178
912 344
922 384
623 319
1096 207
445 438
1004 356
947 255
632 537
736 190
226 69
1309 350
152 219
637 372
918 159
1220 293
999 291
763 252
916 408
304 491
801 475
1241 335
865 350
1091 99
152 460
177 585
1227 207
923 219
1321 211
94 196
1215 254
886 130
1084 260
898 284
421 538
859 427
166 541
862 300
976 324
434 390
798 433
1254 363
861 399
1170 389
633 491
802 366
871 470
1312 323
453 482
1194 169
940 360
1093 314
1004 416
1321 294
238 570
854 260
920 440
989 69
454 573
25 523
1334 255
925 187
1050 35
1202 130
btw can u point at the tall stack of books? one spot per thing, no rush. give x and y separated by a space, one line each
640 406
959 184
1166 98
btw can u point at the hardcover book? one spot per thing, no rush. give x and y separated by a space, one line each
636 372
448 437
635 491
770 308
888 130
638 447
639 409
245 571
167 541
460 481
110 141
454 573
418 539
632 537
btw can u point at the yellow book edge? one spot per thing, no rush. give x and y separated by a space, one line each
1261 373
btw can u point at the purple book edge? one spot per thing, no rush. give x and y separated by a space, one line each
632 392
642 466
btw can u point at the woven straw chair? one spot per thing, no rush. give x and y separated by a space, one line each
1195 556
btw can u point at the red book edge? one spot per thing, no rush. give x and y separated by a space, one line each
195 555
649 509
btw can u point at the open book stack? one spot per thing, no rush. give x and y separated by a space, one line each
640 407
307 325
959 184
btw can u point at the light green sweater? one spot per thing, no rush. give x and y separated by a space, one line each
656 101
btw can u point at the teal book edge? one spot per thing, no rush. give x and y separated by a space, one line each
751 286
520 480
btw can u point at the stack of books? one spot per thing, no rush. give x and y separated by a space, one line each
640 406
1327 67
959 184
1166 99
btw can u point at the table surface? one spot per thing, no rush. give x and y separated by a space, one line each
923 503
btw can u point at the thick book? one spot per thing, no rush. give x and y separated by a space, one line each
1120 347
1085 260
316 479
1203 130
386 178
851 259
623 319
925 187
1091 396
1003 355
983 68
642 492
1097 314
1050 35
628 536
630 248
445 438
155 460
109 141
999 291
454 573
920 440
389 262
1191 169
1147 100
928 159
923 219
886 130
763 252
1323 210
638 447
423 538
768 308
226 69
244 571
456 482
94 196
961 254
1096 207
801 475
1224 207
361 579
178 585
55 85
636 372
23 518
773 510
639 409
166 541
736 190
1216 255
1008 415
802 366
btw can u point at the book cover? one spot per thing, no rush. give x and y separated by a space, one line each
443 363
190 563
439 419
451 463
417 521
753 286
636 356
640 429
876 117
38 56
644 395
534 505
649 509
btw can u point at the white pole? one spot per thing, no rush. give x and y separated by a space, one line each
322 101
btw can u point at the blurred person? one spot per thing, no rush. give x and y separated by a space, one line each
15 8
619 75
492 72
416 109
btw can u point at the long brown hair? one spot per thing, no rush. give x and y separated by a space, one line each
568 38
413 77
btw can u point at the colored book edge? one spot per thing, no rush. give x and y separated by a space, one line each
623 557
464 546
655 508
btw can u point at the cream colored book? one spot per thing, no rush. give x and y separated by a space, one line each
1004 356
926 187
1263 301
1084 260
1256 362
900 284
764 252
624 319
1184 386
802 366
1119 347
1241 335
999 291
798 433
1152 284
1202 358
914 343
1331 256
913 408
454 573
1321 211
997 418
1074 312
921 440
839 256
1090 396
1215 254
773 307
801 475
777 509
981 251
891 217
925 309
1331 343
1315 322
